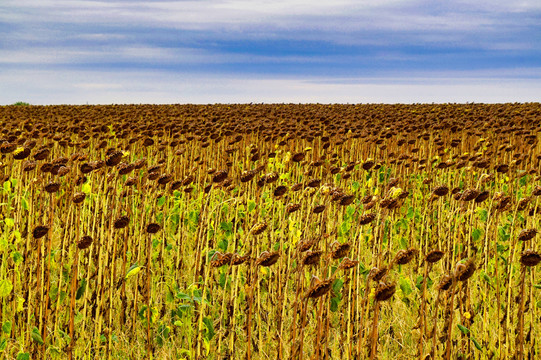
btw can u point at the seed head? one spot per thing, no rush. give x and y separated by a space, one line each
125 168
368 198
21 153
527 234
483 195
403 257
441 190
271 177
86 168
385 291
79 197
298 157
368 164
306 244
523 203
367 218
220 259
280 190
259 228
346 199
469 195
247 176
7 147
314 183
464 271
85 242
267 258
114 158
42 154
311 257
291 208
502 203
29 165
445 283
319 289
434 256
164 179
40 231
238 259
187 180
502 168
121 222
153 228
376 274
339 250
347 263
52 187
530 258
219 176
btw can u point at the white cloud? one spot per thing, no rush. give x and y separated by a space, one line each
74 87
278 15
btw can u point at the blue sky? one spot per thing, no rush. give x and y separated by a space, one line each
207 51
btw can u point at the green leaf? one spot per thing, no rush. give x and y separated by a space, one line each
183 296
483 215
477 345
161 201
81 289
9 222
335 301
24 203
6 327
464 329
251 206
23 356
78 318
7 186
537 286
222 280
133 270
411 213
5 287
350 210
419 282
503 234
222 245
405 286
226 226
337 286
210 327
3 344
36 336
476 234
17 257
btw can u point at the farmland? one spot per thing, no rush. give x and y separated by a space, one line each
270 231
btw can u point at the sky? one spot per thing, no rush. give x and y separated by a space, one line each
276 51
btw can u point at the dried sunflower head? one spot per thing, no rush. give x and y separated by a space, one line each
385 291
530 258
